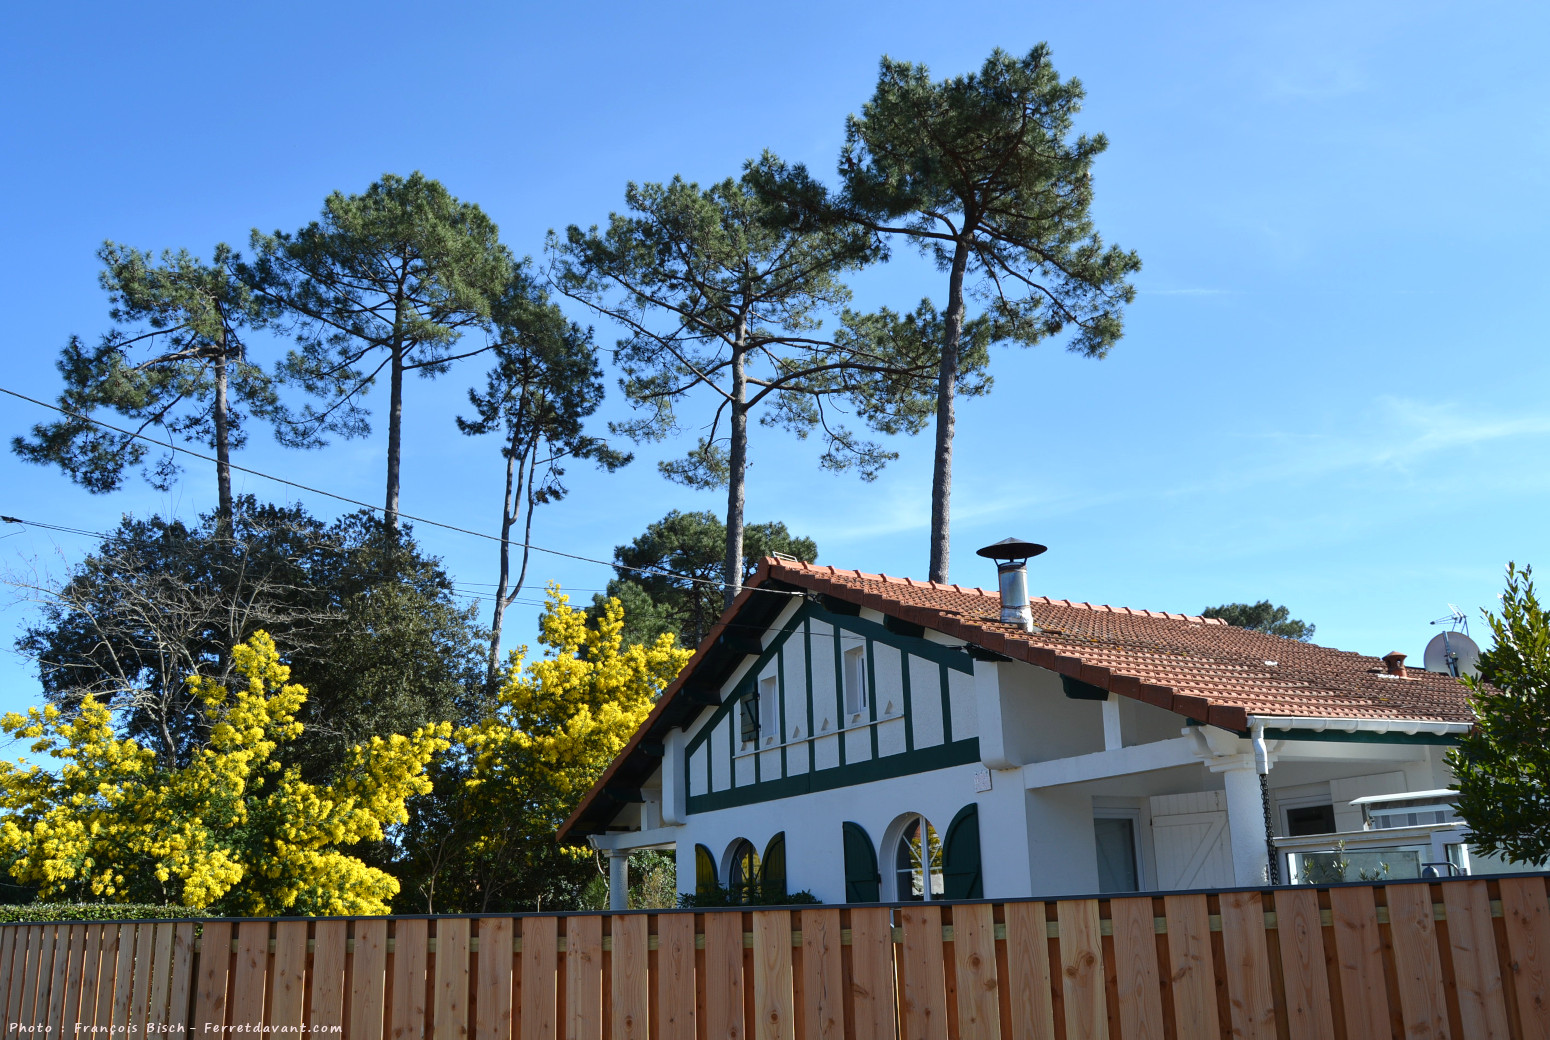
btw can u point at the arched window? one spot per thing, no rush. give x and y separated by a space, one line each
917 860
742 869
704 871
772 883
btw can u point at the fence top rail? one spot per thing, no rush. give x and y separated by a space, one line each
518 915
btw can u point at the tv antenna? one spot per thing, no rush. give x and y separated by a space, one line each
1452 650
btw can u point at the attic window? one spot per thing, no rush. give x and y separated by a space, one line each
748 716
855 680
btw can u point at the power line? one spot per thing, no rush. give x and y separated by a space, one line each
375 508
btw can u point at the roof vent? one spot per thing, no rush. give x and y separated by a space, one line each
1012 556
1394 663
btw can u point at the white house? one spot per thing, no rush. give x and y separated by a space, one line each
866 738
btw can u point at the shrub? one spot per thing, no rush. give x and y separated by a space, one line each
33 913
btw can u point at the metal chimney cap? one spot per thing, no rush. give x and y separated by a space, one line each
1011 549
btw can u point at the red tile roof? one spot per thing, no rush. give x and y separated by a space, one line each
1201 668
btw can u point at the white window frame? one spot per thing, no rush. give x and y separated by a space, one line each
890 864
855 682
1303 796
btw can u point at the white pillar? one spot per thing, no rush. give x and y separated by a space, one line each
1245 822
1113 739
618 879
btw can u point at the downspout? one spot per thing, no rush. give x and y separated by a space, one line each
1262 767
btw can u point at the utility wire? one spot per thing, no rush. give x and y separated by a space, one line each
379 509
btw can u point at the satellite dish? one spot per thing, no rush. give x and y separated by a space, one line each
1452 652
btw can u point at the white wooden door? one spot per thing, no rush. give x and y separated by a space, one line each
1193 849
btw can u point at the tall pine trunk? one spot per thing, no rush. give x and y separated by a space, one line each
737 471
222 439
518 479
395 440
946 388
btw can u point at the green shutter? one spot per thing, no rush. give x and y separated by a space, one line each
704 871
772 871
861 879
961 856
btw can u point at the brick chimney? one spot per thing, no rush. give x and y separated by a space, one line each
1394 663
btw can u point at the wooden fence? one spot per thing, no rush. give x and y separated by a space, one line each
1462 958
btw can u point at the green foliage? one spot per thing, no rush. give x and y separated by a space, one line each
390 279
177 363
1263 616
653 883
544 382
1502 767
688 548
159 600
989 163
35 913
985 174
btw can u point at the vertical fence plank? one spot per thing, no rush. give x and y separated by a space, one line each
724 974
1249 991
52 1010
145 957
774 1012
181 979
974 958
1192 983
1081 965
631 980
18 973
1528 944
451 1008
675 977
250 975
923 1004
872 974
326 1005
7 947
1300 934
584 978
91 976
1359 951
540 940
161 976
288 987
211 982
123 977
70 1010
823 976
1417 962
107 977
1027 964
411 953
70 1004
1135 969
40 961
1476 969
493 985
368 981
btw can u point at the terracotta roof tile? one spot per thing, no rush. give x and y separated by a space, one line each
1196 666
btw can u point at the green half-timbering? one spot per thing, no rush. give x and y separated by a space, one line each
760 744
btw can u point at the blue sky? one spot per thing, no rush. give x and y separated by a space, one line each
1331 391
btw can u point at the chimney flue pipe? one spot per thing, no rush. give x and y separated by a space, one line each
1012 556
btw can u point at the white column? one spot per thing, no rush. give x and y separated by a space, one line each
1245 821
1113 739
618 879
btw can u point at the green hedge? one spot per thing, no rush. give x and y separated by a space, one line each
32 913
